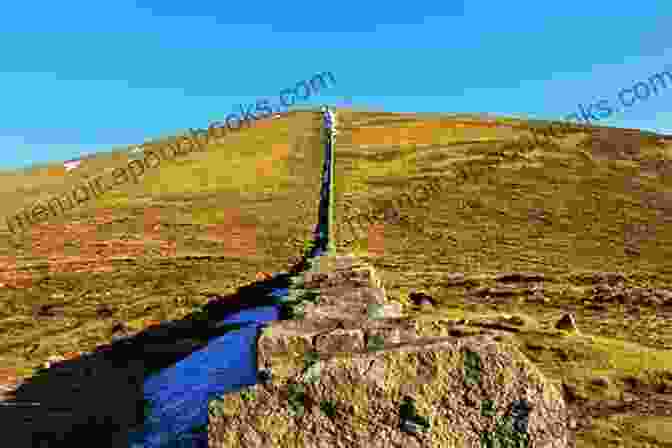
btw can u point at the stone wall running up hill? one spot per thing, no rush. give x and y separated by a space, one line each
353 372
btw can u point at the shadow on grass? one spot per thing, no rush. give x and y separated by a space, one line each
99 398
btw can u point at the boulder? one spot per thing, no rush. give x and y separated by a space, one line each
567 323
354 372
469 392
421 299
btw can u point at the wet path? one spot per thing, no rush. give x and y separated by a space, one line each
178 396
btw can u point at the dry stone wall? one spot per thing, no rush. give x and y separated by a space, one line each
354 372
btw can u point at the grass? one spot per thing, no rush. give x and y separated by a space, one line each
295 400
472 368
292 310
573 209
375 342
247 395
329 409
488 408
627 430
216 408
375 311
294 306
203 226
152 287
308 246
410 420
504 436
312 368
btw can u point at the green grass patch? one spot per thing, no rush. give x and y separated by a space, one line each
328 407
487 408
472 368
375 342
411 421
308 246
292 310
296 396
247 395
504 436
375 311
312 368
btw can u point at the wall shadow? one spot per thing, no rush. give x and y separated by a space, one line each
99 398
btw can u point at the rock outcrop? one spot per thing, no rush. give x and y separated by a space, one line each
567 323
354 372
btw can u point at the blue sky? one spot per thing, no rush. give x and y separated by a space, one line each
78 77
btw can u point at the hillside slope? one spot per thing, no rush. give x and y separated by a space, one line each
485 223
459 208
196 226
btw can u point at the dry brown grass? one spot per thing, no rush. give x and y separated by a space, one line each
573 209
154 252
588 212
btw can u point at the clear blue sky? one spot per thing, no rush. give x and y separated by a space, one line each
82 76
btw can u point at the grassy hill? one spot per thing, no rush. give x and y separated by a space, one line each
202 224
579 223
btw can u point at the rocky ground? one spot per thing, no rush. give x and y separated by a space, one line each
368 365
354 371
